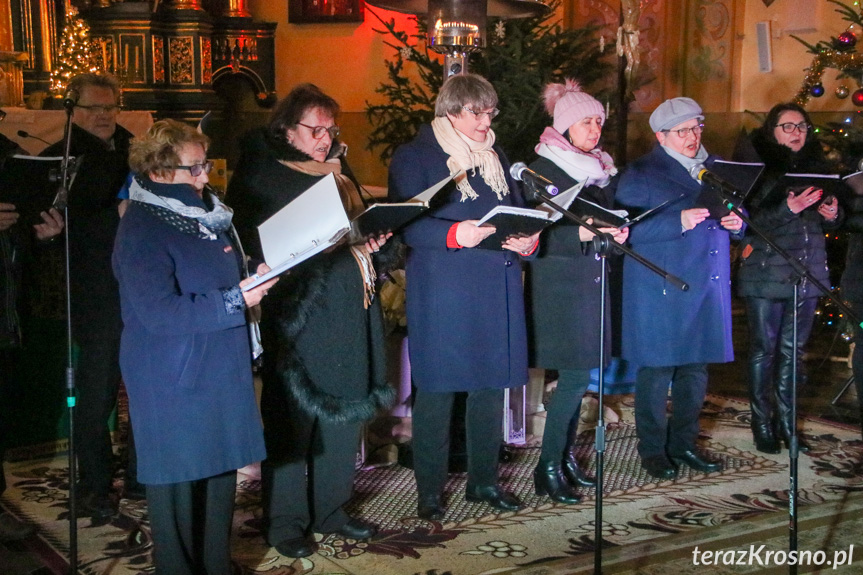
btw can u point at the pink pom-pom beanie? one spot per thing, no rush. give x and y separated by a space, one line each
568 104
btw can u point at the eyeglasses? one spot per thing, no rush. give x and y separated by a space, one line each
684 132
196 169
492 114
98 109
319 131
789 127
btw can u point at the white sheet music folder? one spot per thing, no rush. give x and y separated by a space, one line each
313 222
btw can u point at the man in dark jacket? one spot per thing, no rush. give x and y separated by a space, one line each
102 148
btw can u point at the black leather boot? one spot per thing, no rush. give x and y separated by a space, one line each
761 354
765 439
549 480
573 473
784 421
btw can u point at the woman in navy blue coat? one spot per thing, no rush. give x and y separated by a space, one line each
672 334
184 352
465 304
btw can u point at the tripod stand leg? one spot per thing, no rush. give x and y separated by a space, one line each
842 391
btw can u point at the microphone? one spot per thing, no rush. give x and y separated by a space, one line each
70 99
706 175
534 181
23 134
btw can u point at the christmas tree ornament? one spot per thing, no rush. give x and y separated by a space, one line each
847 39
817 90
842 92
857 97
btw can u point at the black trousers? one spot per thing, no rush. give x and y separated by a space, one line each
657 433
561 419
771 348
431 437
191 525
98 381
306 488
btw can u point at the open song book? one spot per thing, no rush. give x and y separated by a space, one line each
316 220
512 221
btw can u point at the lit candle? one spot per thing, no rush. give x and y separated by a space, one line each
137 67
126 58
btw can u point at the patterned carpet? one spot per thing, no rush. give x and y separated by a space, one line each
750 495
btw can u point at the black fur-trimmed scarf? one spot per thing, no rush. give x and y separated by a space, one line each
303 297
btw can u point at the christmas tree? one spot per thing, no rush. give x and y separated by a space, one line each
74 55
521 57
843 140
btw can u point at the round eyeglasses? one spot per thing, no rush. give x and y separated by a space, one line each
197 169
492 114
789 127
319 131
684 132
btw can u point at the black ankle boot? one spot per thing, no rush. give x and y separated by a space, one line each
574 474
548 480
765 439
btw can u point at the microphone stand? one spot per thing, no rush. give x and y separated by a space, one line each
61 203
603 244
728 196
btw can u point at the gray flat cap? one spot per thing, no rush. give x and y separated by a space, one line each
673 112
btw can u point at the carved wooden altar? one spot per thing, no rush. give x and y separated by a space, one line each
169 55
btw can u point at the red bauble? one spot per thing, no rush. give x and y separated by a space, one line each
857 97
847 39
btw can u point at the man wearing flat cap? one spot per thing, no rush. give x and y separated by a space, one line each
669 333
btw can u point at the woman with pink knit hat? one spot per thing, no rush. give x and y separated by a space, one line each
563 290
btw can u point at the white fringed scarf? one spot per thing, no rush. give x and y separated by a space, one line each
466 154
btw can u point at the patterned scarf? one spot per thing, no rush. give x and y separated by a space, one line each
192 220
465 154
354 206
594 167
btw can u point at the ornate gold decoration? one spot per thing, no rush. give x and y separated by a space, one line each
102 52
206 61
241 48
182 5
181 60
158 60
237 9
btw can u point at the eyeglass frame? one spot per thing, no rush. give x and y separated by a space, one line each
478 115
333 130
687 131
801 127
99 108
204 168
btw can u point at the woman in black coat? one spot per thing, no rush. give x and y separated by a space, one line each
795 220
322 331
564 295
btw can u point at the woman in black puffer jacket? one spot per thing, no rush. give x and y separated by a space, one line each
786 144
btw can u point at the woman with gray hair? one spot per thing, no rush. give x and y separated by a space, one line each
465 305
